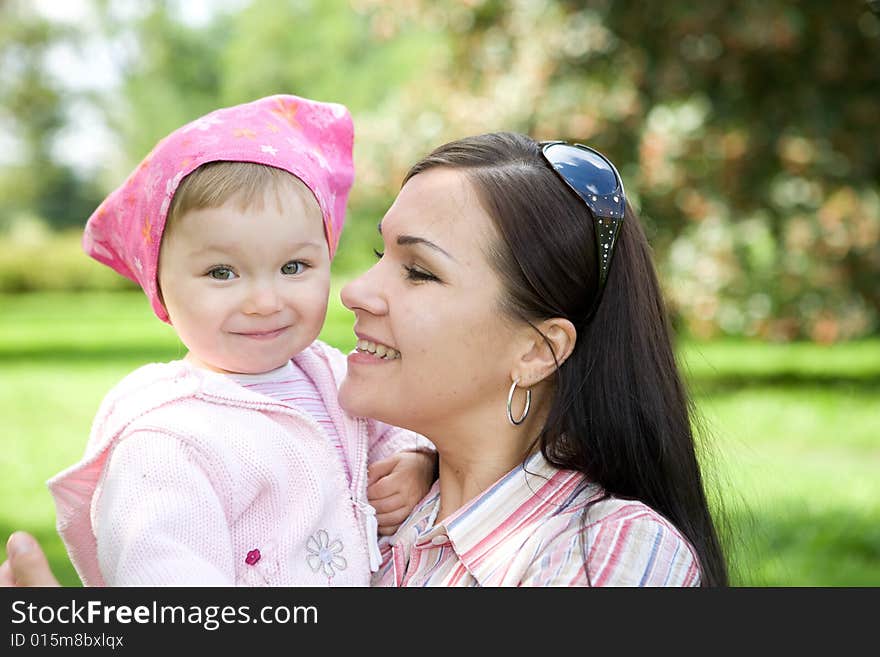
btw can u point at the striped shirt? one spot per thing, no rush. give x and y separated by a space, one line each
528 530
290 385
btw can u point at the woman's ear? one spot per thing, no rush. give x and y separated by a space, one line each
545 351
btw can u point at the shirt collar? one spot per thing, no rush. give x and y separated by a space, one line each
284 373
512 504
495 511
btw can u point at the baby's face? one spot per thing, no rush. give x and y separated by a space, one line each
246 288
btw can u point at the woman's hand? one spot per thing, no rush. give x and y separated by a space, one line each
25 564
396 484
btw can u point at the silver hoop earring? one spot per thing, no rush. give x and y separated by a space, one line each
510 402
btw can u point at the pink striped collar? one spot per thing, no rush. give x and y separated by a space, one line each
491 528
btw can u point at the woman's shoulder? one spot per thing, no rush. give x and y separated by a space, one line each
589 508
625 542
606 510
587 505
588 536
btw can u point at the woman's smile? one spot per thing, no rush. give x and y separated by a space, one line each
369 350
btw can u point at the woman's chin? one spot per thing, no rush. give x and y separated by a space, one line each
352 400
360 402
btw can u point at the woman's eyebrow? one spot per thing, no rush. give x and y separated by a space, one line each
406 240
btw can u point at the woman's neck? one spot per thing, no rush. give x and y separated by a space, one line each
468 466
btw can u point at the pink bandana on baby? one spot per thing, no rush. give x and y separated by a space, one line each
310 139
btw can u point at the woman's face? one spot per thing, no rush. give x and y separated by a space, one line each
434 349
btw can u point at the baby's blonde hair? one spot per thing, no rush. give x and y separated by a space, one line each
215 183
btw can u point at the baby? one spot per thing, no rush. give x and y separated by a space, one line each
235 465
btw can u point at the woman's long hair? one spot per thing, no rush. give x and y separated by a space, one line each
620 412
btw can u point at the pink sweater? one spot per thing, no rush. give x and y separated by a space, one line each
190 479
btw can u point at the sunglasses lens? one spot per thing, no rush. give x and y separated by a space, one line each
584 170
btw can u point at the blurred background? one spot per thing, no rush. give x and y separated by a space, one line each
747 133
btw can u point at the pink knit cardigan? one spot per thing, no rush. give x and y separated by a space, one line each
190 479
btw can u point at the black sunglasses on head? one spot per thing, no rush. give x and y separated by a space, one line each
596 181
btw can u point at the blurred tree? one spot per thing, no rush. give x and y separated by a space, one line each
783 155
172 74
32 112
320 49
748 133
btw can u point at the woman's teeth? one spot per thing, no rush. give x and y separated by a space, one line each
380 350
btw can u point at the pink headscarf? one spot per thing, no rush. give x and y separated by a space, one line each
310 139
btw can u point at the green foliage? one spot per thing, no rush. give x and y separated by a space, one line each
746 132
173 75
322 50
32 114
33 259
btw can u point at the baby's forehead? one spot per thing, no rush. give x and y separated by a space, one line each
288 194
243 185
259 233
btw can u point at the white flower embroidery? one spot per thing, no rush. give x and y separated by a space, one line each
325 555
269 149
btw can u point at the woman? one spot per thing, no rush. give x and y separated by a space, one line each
530 344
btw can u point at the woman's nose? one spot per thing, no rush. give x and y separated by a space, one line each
365 293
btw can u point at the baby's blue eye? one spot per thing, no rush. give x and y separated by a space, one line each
292 267
221 273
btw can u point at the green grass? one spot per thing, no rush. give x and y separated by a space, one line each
798 430
794 430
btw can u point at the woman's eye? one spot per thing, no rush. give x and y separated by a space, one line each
221 273
378 254
416 274
293 267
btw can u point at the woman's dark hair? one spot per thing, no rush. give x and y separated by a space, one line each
620 413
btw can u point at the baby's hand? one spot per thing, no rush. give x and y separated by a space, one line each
396 484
